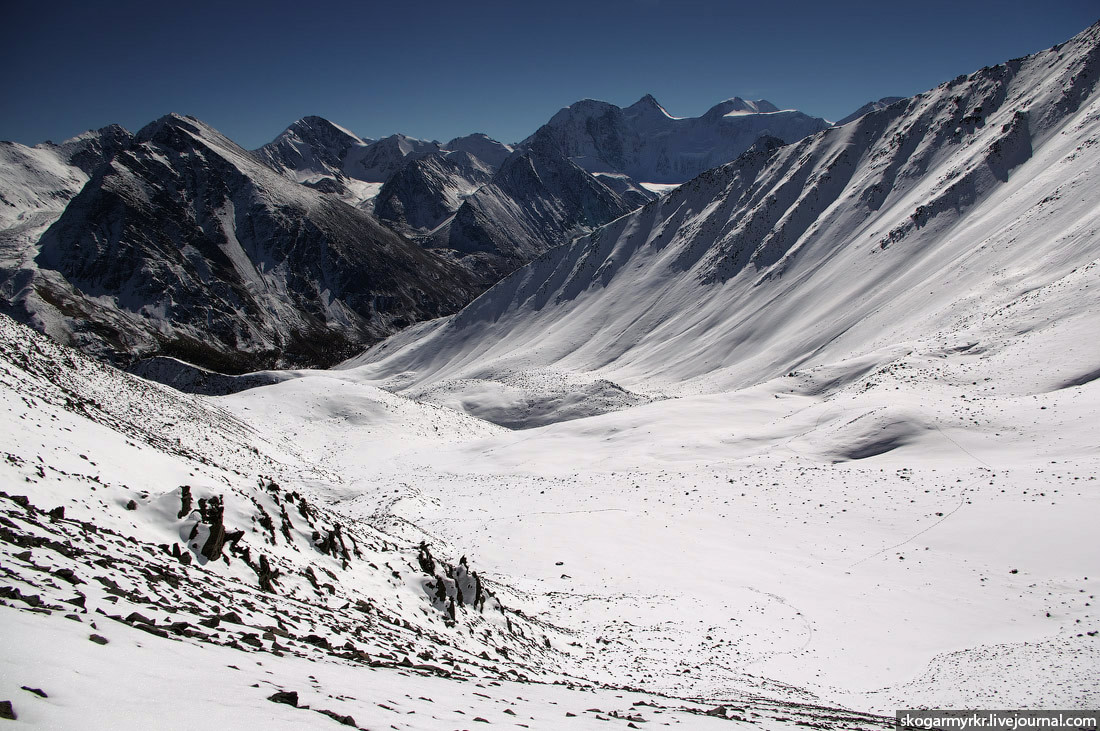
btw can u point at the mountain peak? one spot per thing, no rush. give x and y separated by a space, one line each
646 101
170 122
648 104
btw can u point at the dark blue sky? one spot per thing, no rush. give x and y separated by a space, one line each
441 69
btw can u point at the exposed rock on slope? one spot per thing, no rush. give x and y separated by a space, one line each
185 245
537 200
242 556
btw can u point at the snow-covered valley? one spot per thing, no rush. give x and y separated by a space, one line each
809 438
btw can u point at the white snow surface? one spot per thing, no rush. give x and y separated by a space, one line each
815 429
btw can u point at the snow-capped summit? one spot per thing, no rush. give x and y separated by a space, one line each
378 161
648 104
649 145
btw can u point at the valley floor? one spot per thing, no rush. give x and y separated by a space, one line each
927 548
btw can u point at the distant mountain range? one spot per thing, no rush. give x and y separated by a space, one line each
176 241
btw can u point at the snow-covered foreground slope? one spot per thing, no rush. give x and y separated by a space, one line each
165 557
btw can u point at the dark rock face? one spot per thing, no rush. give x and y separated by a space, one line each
426 192
194 249
537 200
92 149
288 697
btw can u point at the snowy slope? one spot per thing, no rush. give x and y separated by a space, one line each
189 552
646 143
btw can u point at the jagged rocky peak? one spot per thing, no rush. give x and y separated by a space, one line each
537 200
648 106
312 144
180 133
423 194
89 150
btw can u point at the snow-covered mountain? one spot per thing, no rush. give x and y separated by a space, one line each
36 183
913 220
185 244
483 147
648 144
816 430
313 149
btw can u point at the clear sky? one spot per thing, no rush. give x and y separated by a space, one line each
441 69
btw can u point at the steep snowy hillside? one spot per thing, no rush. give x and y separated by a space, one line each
181 546
918 221
186 245
646 143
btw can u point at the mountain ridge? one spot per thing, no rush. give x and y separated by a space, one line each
759 235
